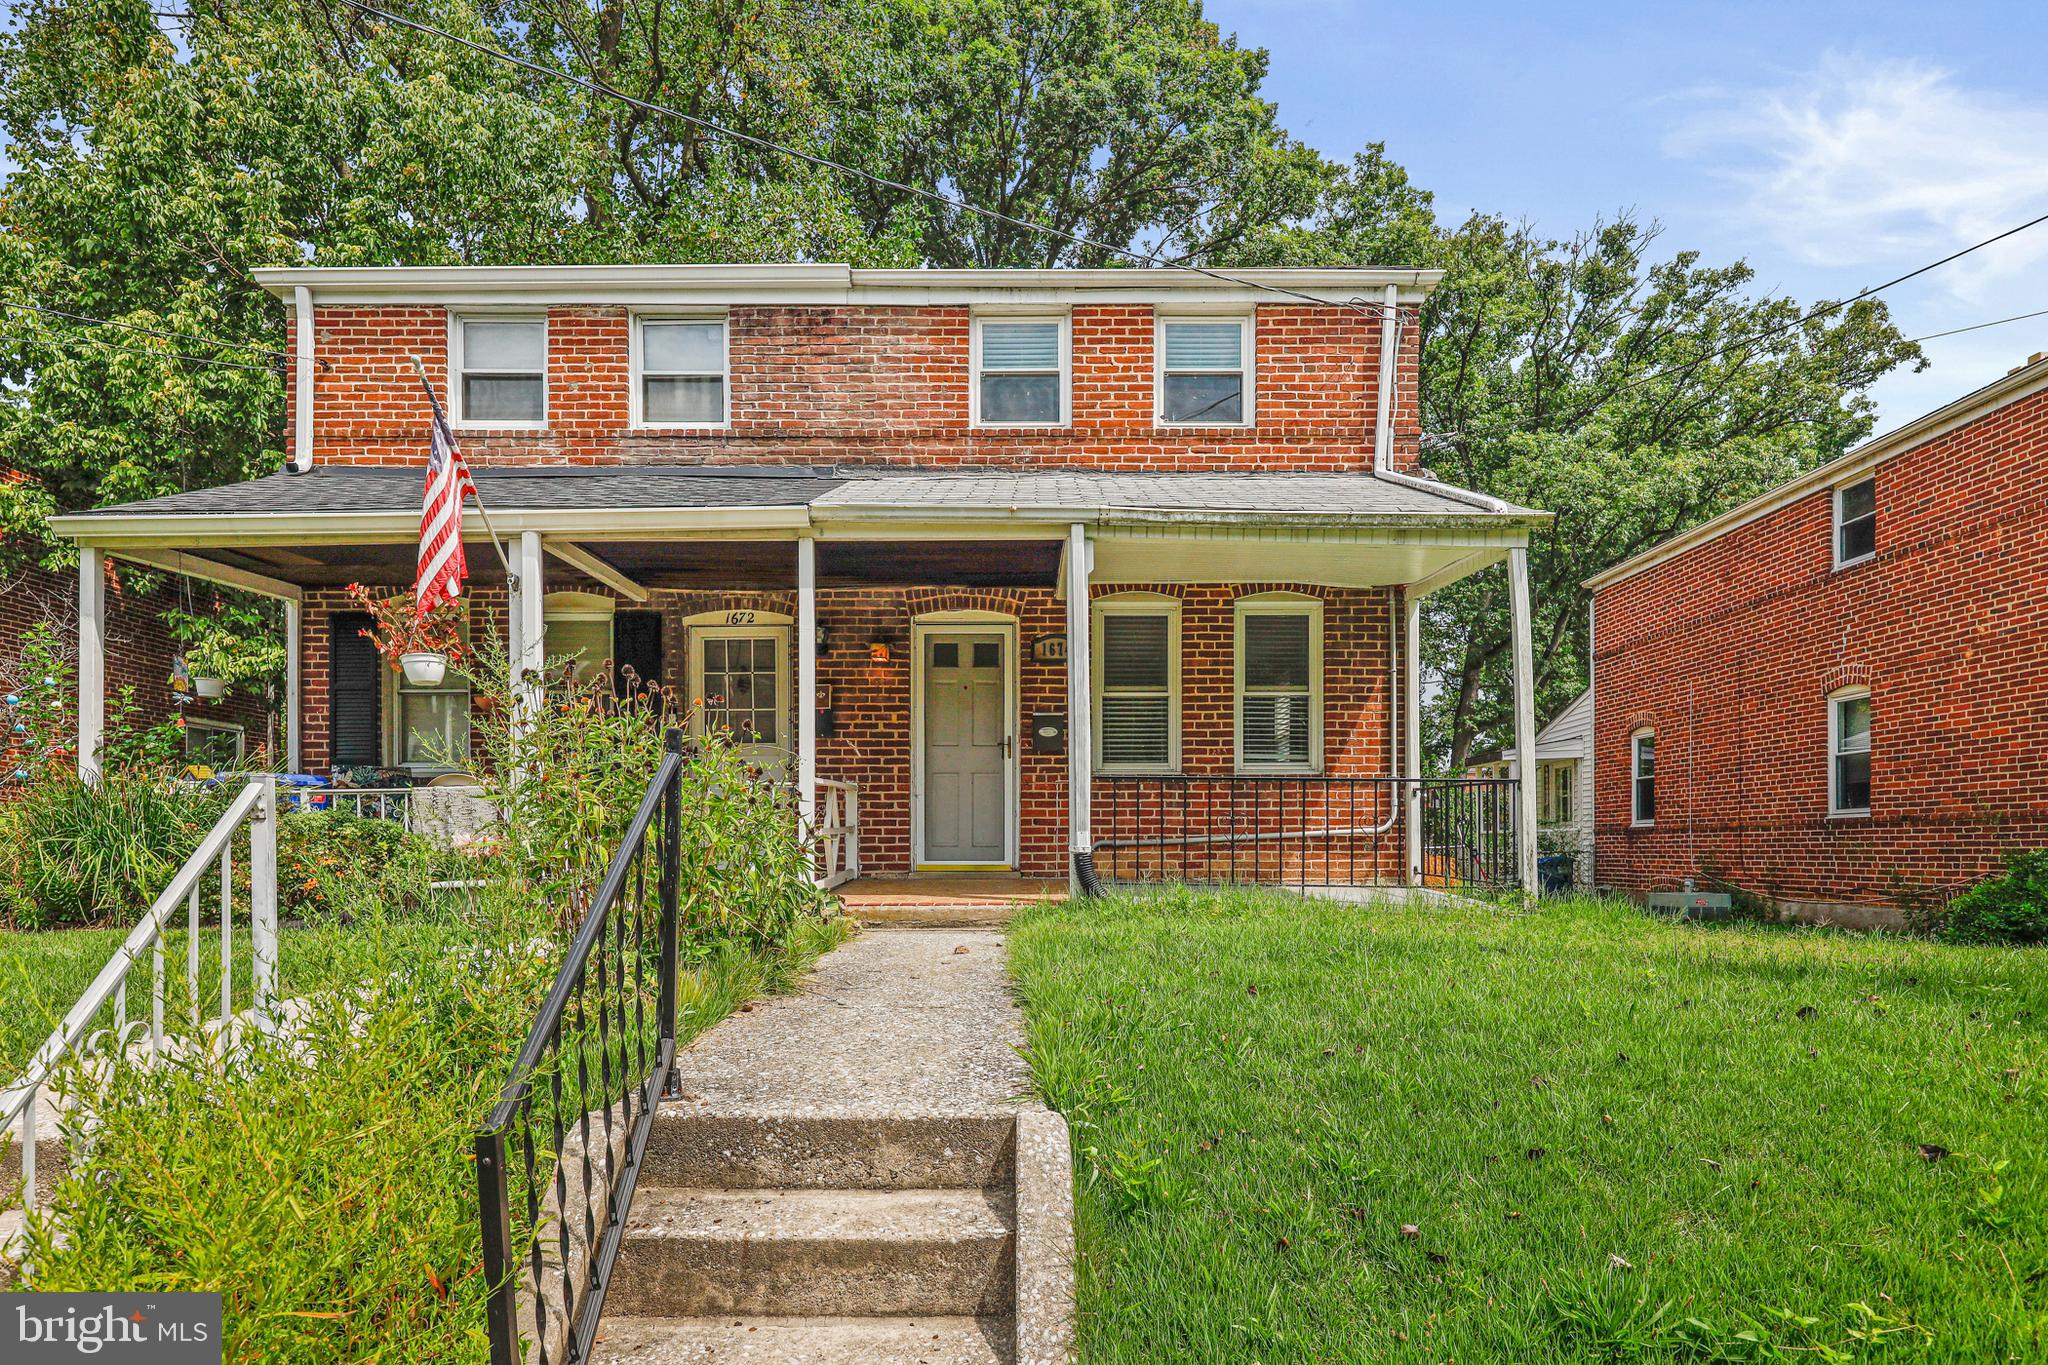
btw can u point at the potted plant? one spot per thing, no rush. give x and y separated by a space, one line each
420 644
236 643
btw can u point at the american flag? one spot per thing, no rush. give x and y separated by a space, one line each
442 564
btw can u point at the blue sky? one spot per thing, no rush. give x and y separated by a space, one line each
1832 145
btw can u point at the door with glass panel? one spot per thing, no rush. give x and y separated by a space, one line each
739 686
966 810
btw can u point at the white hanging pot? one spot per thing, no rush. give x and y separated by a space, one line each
424 669
212 689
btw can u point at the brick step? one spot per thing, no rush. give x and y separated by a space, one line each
853 1253
739 1151
815 1341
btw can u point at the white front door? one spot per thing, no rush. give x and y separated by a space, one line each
965 811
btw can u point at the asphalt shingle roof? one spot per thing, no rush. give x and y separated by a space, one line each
1088 490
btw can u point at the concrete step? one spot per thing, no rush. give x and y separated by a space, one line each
850 1151
815 1341
855 1253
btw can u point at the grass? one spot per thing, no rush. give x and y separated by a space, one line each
1312 1132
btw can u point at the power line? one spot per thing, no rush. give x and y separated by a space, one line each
147 331
597 87
57 342
1980 326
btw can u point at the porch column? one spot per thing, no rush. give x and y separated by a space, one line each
1525 717
1080 740
1411 729
294 631
92 659
807 683
529 644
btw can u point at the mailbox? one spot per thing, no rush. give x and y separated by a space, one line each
1049 732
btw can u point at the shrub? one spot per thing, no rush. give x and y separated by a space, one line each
2009 909
337 864
95 854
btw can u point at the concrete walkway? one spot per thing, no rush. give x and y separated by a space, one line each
917 1022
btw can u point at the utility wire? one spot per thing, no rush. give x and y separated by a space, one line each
57 342
147 331
597 87
1980 326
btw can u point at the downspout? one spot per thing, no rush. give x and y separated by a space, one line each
1390 345
301 461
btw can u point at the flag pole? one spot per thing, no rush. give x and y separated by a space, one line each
511 578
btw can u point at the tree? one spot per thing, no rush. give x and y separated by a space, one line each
1630 397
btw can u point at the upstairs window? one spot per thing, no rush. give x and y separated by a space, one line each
682 372
1137 684
1855 522
1279 685
1643 778
1021 375
501 365
1849 752
1202 372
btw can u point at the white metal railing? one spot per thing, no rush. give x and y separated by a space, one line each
382 803
838 832
254 809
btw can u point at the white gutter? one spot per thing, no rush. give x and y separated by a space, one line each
1390 345
302 436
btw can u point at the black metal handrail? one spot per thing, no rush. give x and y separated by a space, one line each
591 1070
1306 831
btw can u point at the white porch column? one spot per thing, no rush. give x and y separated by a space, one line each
1080 740
807 682
529 627
294 633
1411 729
92 659
1525 716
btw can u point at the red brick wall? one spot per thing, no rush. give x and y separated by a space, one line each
870 743
1731 649
872 385
138 648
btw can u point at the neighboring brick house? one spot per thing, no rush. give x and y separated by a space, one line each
1837 694
851 509
138 657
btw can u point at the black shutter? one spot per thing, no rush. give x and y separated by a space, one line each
636 645
355 692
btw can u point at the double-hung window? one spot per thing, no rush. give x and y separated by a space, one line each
433 723
1643 777
1137 683
578 626
1021 372
1855 522
682 380
1204 371
1554 793
1279 684
501 369
1849 752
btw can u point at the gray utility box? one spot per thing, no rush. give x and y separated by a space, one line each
1692 904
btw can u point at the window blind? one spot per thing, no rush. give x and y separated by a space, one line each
1020 346
1204 346
1137 705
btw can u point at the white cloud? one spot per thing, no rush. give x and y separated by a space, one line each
1871 164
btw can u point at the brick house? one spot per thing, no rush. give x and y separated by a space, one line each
863 513
1834 695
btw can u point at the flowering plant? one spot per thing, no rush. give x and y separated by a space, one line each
398 628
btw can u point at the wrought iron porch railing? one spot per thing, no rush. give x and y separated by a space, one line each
98 1025
560 1154
1302 831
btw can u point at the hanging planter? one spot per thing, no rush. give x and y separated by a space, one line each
209 689
424 668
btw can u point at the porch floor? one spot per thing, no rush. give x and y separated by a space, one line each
948 899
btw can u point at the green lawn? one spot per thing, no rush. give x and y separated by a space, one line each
1306 1131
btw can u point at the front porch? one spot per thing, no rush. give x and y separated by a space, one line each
1070 679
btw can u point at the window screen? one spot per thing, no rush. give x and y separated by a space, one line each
504 370
1856 532
1276 709
1645 779
1852 754
682 373
1020 372
1137 703
1203 374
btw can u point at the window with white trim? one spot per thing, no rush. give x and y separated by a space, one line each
1204 371
432 723
1855 522
1643 777
739 675
501 371
1849 752
1136 677
1555 791
1279 685
217 744
578 625
683 363
1021 372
